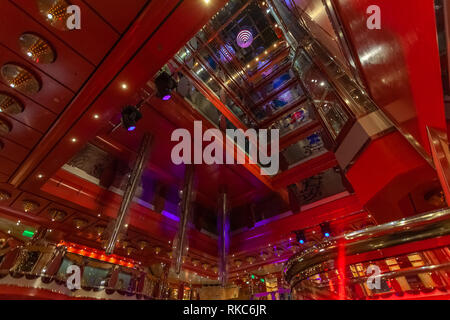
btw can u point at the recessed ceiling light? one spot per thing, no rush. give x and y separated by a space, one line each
74 140
124 86
96 116
40 176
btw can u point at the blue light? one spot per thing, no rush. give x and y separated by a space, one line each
302 242
131 128
326 234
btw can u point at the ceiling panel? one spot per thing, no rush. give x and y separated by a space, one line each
21 134
13 151
69 68
3 177
93 40
7 166
116 12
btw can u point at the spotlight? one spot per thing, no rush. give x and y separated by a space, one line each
300 236
130 116
165 84
325 227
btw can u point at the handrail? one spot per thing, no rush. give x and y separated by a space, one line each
420 227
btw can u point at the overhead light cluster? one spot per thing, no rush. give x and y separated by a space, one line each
164 85
130 116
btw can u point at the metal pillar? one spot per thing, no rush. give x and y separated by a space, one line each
185 211
130 190
224 236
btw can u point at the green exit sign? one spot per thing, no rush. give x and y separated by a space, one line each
28 234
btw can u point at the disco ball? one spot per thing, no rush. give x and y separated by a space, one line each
244 38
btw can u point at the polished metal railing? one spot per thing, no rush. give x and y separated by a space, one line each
304 268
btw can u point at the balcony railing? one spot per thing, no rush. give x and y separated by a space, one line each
411 258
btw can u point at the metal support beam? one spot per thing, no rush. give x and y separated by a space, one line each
185 212
224 236
130 190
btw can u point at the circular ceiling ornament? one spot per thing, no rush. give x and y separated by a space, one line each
5 127
9 104
36 49
244 38
54 12
20 79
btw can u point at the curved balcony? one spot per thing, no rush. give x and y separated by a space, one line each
404 259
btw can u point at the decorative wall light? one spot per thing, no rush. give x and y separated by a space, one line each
9 104
4 195
205 266
57 214
36 49
20 79
215 269
30 205
54 12
157 250
5 126
244 38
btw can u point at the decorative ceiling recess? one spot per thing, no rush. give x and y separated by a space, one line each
36 49
9 104
20 79
54 12
57 214
29 205
5 127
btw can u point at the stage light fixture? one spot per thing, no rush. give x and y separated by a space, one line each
300 236
130 116
326 230
164 85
